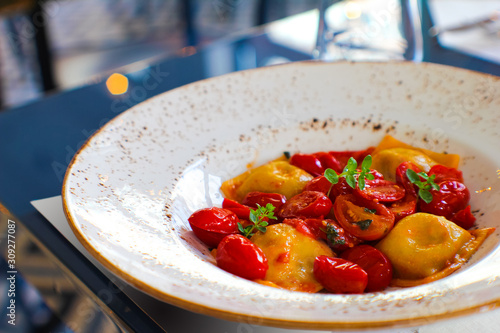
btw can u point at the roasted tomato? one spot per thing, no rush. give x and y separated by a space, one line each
308 163
452 197
329 161
367 220
211 225
242 211
375 263
319 184
403 207
402 178
238 255
337 238
306 204
340 276
381 190
444 173
464 218
343 156
316 163
254 199
313 228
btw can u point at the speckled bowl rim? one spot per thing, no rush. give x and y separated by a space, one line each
239 317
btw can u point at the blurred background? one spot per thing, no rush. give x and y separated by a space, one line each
60 44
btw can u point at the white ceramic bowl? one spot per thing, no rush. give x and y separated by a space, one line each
130 189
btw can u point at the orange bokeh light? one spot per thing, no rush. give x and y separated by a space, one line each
117 84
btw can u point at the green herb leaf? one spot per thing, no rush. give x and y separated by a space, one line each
258 218
423 187
412 176
352 176
351 181
371 211
363 225
332 176
333 236
425 195
351 165
361 182
367 163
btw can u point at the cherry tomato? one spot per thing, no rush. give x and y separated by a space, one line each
306 204
402 178
308 163
444 173
242 211
340 276
403 207
337 238
367 220
211 225
464 218
328 161
252 199
238 255
308 227
343 156
319 184
381 190
451 197
375 263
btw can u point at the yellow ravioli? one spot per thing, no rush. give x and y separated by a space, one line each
290 255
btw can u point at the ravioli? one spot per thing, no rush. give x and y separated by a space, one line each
387 161
291 256
424 247
391 152
274 177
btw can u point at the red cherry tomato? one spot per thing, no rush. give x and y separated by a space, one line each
319 184
309 227
444 173
238 255
375 263
343 156
211 225
253 199
464 218
323 185
337 238
402 178
451 197
381 190
328 161
403 207
308 163
340 276
367 220
306 204
242 211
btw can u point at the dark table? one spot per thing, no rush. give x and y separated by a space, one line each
38 140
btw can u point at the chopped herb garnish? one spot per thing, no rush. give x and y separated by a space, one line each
259 218
424 187
287 154
363 225
333 236
351 173
371 211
